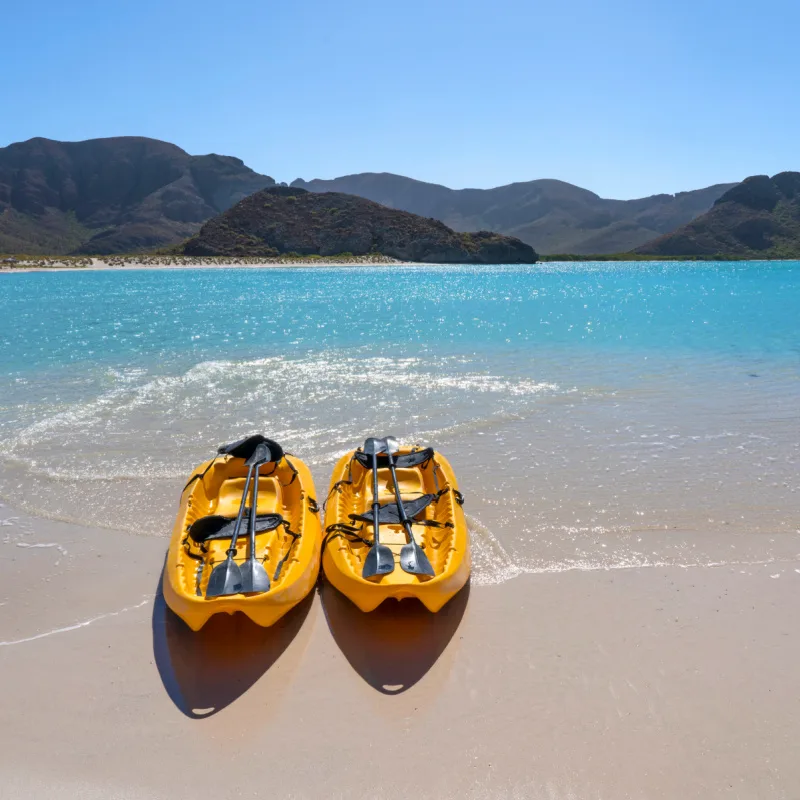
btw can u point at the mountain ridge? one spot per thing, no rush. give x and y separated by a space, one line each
111 195
760 217
136 194
551 215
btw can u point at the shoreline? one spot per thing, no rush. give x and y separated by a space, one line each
169 263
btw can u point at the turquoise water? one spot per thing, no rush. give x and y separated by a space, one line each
114 384
176 317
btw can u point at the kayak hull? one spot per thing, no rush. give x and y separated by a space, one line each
444 538
215 488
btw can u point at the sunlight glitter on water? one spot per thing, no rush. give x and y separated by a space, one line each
598 416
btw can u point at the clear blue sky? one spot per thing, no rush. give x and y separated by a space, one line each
623 97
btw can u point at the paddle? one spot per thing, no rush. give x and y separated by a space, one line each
380 559
226 578
412 556
254 576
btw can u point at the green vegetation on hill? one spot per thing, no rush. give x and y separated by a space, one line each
51 231
758 218
637 257
283 220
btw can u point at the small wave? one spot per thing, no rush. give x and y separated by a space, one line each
35 470
641 563
85 623
491 563
152 427
35 545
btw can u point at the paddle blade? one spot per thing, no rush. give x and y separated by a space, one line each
374 446
254 578
379 561
259 456
226 578
414 560
392 445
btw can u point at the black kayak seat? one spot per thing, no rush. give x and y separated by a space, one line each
389 513
405 460
244 448
216 526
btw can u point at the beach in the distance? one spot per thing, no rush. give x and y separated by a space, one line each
626 436
90 263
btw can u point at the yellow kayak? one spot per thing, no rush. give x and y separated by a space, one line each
431 501
287 535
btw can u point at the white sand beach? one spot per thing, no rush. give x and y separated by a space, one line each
656 683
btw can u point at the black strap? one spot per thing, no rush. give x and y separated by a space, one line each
432 523
459 498
341 530
199 475
292 468
313 506
295 537
188 545
337 487
436 477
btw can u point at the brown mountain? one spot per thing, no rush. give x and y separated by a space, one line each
758 218
550 215
123 194
283 220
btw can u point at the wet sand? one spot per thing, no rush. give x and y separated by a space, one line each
658 682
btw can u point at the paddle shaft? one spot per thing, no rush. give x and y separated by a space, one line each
240 516
400 508
253 511
254 577
380 559
376 506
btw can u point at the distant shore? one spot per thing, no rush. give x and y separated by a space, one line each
49 263
138 262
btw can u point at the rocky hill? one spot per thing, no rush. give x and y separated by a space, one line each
552 216
124 194
759 217
283 220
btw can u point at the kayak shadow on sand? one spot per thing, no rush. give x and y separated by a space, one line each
204 671
393 647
